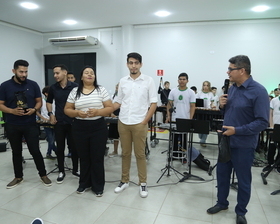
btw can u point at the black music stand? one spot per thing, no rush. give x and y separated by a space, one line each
276 138
169 151
191 126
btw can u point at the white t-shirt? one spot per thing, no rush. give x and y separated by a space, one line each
135 97
216 101
181 101
208 98
275 106
94 99
44 111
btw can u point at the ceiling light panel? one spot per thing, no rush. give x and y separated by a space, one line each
29 5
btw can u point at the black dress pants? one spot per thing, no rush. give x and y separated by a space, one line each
30 132
90 138
61 132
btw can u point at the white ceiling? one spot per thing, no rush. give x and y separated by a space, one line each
112 13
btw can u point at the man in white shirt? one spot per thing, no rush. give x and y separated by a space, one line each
273 119
137 100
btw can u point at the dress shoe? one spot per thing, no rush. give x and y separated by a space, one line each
215 209
240 219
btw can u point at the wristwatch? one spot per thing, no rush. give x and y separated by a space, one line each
49 113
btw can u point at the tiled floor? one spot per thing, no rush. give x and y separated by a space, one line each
169 201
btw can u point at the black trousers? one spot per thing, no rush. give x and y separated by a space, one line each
90 138
30 133
61 132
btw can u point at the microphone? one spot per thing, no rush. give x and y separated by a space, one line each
226 84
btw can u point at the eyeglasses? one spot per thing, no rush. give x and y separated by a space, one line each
232 69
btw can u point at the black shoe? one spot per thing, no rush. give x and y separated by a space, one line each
81 190
267 168
60 178
240 219
77 173
98 194
215 209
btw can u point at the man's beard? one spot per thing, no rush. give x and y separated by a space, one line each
19 80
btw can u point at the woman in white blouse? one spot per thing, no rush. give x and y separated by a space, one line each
208 99
89 103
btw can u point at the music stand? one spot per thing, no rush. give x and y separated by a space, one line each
191 126
276 138
169 150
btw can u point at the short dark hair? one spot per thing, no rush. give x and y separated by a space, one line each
135 56
241 61
183 74
45 89
276 89
20 63
166 82
70 73
213 87
194 88
61 66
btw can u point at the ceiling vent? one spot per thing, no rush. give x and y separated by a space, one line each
74 41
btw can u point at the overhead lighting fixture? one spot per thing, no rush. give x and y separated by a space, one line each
70 22
260 8
29 5
162 13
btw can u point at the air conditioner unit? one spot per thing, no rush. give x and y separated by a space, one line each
74 41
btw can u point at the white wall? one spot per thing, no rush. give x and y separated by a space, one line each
17 43
200 49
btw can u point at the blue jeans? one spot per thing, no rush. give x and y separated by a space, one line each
50 139
203 138
241 161
30 132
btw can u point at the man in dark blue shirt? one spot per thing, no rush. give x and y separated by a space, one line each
246 114
20 98
62 123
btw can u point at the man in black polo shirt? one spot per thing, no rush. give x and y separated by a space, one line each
63 124
20 98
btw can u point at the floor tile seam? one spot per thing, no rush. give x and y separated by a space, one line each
21 194
180 216
136 209
202 197
160 209
6 210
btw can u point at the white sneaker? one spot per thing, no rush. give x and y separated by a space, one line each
143 190
111 155
122 186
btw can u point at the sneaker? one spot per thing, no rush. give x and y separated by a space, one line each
69 155
60 178
113 154
77 173
81 190
37 221
122 186
98 194
143 190
46 181
267 168
14 183
50 157
203 145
